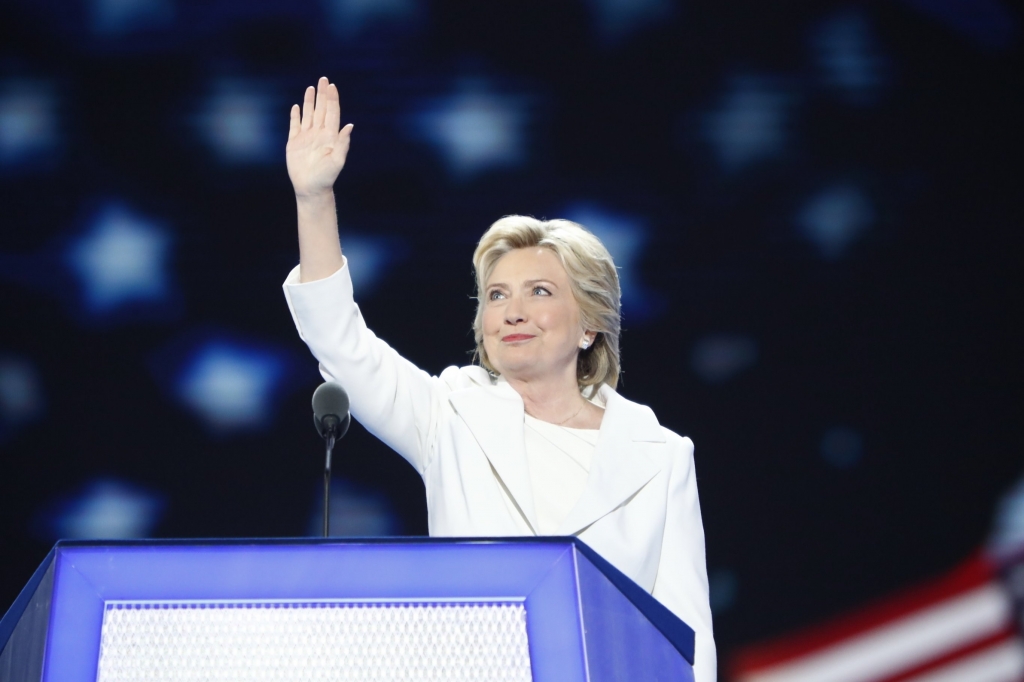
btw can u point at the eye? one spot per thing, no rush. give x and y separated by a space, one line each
541 291
494 295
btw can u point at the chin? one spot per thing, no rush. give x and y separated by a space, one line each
514 366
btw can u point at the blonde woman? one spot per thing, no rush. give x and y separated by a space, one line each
533 440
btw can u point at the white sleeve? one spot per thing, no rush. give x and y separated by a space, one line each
395 400
682 581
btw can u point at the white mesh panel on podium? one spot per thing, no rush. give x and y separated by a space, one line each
299 642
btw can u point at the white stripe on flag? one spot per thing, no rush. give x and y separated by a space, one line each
1002 662
912 640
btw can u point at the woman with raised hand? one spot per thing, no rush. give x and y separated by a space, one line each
534 440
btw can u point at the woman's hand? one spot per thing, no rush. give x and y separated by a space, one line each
316 153
316 149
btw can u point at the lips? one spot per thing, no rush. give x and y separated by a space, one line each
512 338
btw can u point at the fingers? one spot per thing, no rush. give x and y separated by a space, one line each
321 108
293 122
345 138
319 113
332 103
307 108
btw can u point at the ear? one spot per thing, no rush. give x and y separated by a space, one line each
588 340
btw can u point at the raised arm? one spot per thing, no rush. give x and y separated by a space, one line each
316 154
391 397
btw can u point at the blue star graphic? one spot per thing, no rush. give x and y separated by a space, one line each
625 238
238 123
615 20
476 129
835 218
28 122
751 124
105 508
122 259
231 386
351 17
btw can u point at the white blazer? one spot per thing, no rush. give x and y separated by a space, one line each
464 434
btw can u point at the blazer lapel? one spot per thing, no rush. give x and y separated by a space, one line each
619 468
494 414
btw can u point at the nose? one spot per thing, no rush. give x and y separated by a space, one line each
514 311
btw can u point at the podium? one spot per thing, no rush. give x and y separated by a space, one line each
544 609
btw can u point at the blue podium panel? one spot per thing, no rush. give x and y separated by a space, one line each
622 643
516 609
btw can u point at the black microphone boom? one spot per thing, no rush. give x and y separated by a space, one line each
332 419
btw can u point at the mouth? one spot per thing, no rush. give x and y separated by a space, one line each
512 338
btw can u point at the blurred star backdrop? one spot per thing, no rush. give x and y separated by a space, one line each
814 207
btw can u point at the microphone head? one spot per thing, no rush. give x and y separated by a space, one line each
330 400
330 424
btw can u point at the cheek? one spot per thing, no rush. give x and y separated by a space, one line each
559 321
490 322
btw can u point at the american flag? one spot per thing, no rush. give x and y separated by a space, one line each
962 627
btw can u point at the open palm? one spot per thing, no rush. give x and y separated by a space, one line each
316 148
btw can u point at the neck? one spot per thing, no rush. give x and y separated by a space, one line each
554 400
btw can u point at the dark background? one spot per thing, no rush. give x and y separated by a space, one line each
815 206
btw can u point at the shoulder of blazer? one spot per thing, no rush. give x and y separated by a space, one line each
680 449
470 376
637 420
673 451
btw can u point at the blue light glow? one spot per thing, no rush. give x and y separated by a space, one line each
842 447
475 129
353 17
369 258
125 16
105 508
845 51
121 259
751 123
722 590
355 512
29 130
230 387
231 384
21 395
835 218
615 20
719 357
1007 538
625 237
239 124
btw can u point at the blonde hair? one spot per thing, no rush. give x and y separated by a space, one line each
592 276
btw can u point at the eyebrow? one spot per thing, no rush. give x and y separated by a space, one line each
529 282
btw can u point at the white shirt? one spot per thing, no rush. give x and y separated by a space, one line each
558 459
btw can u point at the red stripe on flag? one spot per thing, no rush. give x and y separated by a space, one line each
952 656
973 573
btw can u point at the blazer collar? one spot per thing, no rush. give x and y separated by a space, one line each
620 466
494 414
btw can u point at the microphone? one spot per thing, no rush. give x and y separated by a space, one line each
332 419
330 410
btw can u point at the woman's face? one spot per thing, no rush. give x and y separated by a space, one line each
531 321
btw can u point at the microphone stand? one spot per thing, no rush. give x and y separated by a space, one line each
332 419
332 429
327 485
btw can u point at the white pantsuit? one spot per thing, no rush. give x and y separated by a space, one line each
463 432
